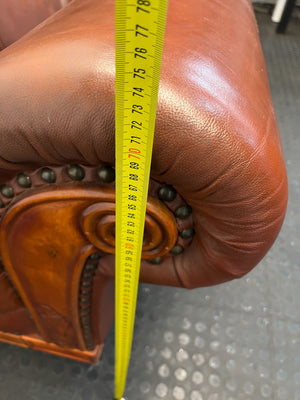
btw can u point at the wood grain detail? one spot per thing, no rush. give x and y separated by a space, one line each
91 357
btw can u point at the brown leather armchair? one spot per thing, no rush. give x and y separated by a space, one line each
218 188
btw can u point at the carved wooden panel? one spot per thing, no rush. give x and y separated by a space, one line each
57 223
44 250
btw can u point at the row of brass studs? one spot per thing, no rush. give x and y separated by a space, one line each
107 175
85 298
168 193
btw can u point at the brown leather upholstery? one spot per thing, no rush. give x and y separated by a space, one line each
216 139
17 17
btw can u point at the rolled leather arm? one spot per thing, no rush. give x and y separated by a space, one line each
216 139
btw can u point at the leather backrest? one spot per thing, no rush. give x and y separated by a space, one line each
17 17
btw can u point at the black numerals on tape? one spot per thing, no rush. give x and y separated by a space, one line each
144 4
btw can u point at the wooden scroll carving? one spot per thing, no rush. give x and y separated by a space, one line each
51 240
56 226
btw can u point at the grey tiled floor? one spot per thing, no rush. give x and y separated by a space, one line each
237 341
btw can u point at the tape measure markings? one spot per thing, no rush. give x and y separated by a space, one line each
139 38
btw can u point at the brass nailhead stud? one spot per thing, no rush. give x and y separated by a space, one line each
87 275
106 174
187 233
48 175
84 306
75 172
167 193
86 284
24 181
86 291
7 191
183 212
177 250
90 267
84 313
155 261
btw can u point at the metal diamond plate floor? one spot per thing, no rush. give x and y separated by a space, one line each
236 341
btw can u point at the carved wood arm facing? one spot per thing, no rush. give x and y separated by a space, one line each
57 227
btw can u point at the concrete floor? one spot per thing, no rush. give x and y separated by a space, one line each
237 341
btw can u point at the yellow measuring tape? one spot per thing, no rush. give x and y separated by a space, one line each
140 26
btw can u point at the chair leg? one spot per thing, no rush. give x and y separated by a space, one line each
288 9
